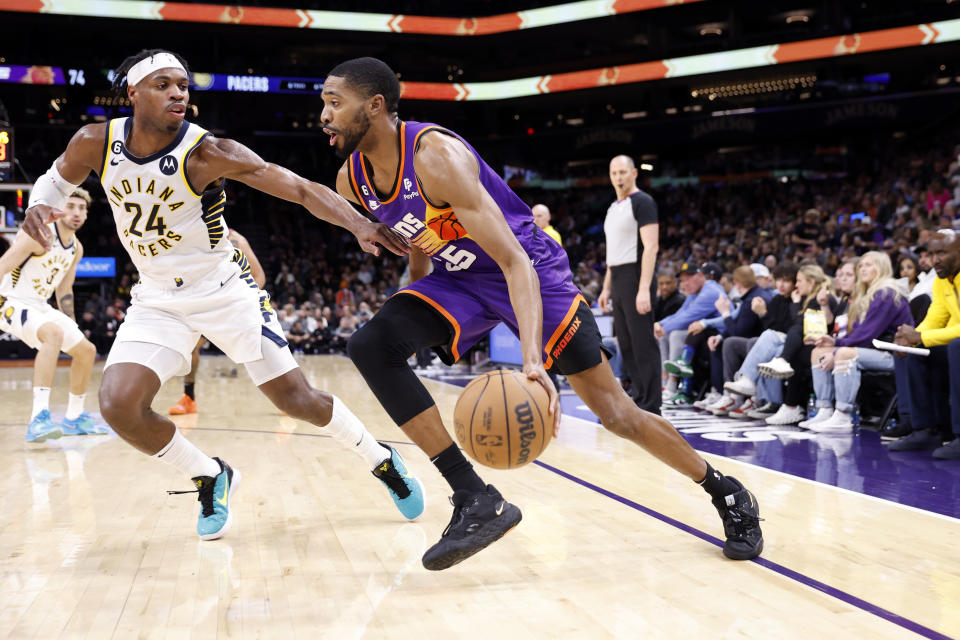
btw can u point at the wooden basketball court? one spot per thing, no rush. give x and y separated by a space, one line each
612 543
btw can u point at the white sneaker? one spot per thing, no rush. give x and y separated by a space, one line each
742 385
777 368
823 414
708 399
724 405
743 411
839 422
786 415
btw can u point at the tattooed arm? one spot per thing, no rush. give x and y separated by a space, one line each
64 291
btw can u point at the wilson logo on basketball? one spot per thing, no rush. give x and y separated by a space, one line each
524 414
567 337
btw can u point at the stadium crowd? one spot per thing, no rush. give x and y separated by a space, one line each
795 275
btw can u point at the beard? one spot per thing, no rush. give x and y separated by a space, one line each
350 138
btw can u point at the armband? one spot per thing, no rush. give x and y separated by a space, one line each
51 189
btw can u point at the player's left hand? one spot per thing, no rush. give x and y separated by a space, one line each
36 221
539 374
643 302
374 233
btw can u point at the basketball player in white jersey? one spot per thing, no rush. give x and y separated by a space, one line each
29 275
164 179
188 401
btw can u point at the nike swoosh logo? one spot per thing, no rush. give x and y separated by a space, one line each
116 161
226 490
499 509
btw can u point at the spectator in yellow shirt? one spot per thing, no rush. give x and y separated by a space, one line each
935 378
541 216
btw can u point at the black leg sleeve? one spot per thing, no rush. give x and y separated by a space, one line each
380 349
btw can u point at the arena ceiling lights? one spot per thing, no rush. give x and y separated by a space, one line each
752 57
339 20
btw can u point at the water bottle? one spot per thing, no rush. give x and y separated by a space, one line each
811 406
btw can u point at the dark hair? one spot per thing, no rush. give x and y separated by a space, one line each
785 271
120 73
904 257
371 77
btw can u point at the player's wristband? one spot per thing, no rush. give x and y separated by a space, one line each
51 189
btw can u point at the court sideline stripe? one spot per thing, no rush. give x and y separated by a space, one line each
843 596
822 587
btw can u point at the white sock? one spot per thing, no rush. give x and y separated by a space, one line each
182 454
41 400
347 429
75 406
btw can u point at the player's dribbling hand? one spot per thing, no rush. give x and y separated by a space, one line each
35 224
539 374
374 233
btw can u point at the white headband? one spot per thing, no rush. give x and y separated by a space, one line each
147 66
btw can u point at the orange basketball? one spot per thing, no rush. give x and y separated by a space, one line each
502 420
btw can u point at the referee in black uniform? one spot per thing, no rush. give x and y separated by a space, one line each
633 240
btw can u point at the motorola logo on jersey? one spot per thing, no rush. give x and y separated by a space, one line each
168 165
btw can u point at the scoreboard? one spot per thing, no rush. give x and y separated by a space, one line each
6 154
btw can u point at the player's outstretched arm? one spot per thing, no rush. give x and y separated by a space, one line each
84 154
223 158
448 172
22 248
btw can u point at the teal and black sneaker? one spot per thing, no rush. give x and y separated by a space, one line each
679 367
405 489
42 428
83 425
214 497
679 401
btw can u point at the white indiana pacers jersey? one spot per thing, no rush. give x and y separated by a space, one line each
38 276
174 234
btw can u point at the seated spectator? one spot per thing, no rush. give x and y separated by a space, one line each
796 347
933 382
669 300
702 294
742 322
297 336
747 353
919 284
877 308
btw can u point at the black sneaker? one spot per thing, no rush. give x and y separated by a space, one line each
480 518
893 430
741 523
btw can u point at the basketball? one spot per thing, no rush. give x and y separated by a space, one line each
502 420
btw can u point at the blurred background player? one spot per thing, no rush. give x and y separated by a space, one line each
188 401
30 275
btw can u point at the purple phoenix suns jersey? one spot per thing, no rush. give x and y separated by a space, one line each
467 286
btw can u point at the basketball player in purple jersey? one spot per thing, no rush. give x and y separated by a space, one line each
491 264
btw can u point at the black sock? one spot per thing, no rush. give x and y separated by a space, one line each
717 484
188 389
457 470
